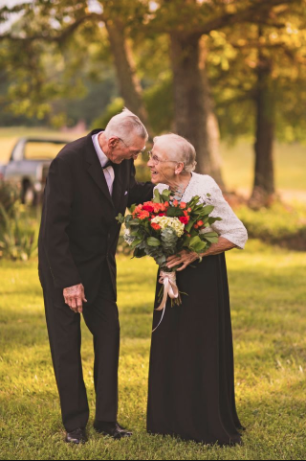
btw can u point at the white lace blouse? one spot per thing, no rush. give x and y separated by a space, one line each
230 228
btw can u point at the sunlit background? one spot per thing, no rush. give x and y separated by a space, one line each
229 75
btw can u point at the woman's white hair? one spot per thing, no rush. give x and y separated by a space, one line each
178 149
126 126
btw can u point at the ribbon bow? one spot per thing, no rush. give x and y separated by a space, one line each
168 279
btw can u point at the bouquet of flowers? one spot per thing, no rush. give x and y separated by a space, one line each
165 227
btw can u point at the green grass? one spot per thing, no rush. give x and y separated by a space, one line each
268 312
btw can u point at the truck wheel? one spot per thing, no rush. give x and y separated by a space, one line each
28 196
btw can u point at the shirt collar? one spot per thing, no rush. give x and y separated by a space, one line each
102 157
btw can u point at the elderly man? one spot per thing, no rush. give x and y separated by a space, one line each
89 183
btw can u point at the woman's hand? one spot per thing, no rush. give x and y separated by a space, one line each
185 258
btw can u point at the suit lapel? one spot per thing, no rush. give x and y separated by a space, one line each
94 167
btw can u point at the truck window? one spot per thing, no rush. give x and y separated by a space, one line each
42 150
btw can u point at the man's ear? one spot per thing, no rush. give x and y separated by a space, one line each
113 142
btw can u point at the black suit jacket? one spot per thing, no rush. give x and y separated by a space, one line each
79 232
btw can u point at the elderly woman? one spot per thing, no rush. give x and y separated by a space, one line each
191 384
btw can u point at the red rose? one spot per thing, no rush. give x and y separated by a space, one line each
162 214
148 208
184 219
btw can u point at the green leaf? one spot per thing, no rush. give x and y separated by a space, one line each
120 218
174 212
157 197
212 239
153 242
213 220
166 195
208 209
135 222
136 243
210 235
191 224
138 253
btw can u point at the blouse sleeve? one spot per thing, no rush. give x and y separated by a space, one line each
230 228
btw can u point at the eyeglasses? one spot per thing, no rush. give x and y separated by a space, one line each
156 160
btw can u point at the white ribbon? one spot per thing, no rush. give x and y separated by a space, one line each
168 279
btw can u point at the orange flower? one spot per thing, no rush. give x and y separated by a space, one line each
157 207
175 203
183 205
155 226
200 223
143 215
137 210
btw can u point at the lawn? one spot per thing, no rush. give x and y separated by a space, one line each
268 312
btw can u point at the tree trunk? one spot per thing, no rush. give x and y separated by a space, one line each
264 183
192 101
213 131
129 85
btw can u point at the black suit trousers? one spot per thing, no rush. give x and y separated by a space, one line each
102 319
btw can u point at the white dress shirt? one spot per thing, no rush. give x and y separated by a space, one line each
108 172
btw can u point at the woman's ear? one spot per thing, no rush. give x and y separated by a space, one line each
179 168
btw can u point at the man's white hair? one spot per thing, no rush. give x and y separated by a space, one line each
126 126
178 149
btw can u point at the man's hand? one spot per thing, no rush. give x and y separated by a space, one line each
75 297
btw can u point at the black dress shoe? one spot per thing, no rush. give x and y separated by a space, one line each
77 437
113 430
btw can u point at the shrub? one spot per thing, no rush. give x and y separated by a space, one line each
280 225
9 198
18 238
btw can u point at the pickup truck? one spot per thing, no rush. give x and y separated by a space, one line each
29 165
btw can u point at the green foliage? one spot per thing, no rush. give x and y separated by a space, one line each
236 55
114 108
268 315
18 238
169 241
9 199
158 100
280 225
